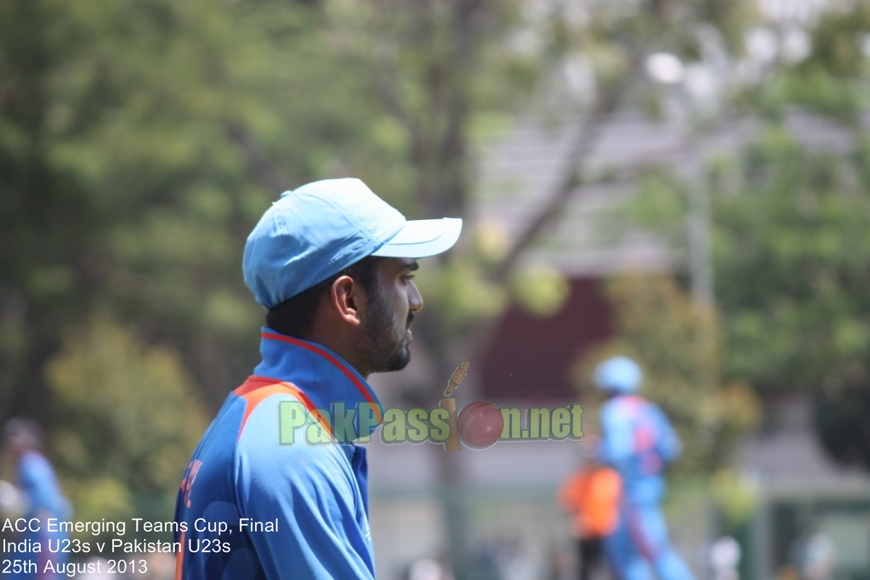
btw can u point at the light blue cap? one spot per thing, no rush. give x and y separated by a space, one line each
618 374
319 229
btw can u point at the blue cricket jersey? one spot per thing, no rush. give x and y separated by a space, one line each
40 486
638 441
260 500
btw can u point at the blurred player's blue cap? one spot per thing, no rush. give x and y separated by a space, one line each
322 228
618 374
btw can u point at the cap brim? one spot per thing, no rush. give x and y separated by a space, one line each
422 238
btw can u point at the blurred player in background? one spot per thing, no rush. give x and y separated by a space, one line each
41 499
333 265
638 441
592 495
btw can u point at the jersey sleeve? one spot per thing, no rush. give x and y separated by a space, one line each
310 493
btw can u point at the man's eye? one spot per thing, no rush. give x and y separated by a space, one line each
408 278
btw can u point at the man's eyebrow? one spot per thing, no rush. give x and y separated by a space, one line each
410 265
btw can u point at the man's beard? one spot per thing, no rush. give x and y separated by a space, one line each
388 349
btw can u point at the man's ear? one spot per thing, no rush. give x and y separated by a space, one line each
347 300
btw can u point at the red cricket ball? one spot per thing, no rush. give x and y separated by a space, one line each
480 424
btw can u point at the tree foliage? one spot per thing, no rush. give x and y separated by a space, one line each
789 229
833 78
129 422
139 142
790 248
793 247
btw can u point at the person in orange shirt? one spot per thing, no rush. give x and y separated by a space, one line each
592 495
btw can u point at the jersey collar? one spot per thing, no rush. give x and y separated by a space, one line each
316 370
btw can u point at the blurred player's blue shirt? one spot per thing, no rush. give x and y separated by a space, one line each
638 441
314 495
39 484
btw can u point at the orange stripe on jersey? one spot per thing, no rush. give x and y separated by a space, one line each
179 558
257 389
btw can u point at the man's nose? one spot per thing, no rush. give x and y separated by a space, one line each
415 300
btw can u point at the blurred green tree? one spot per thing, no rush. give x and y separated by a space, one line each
792 252
128 421
139 142
790 246
789 235
832 79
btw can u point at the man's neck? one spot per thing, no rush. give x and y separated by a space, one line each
342 347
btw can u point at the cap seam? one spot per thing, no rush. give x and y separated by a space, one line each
346 211
288 246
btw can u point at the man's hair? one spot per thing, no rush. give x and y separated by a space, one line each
24 432
295 316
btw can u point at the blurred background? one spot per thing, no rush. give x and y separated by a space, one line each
683 181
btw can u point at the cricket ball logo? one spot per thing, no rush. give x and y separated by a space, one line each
478 424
